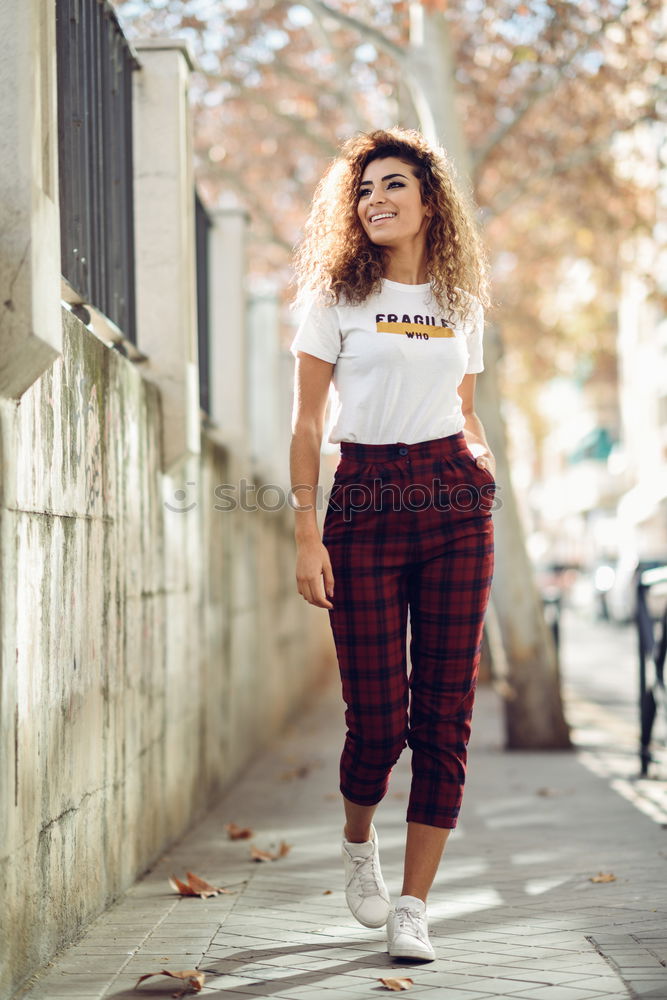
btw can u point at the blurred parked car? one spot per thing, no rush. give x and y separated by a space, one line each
554 582
604 576
621 596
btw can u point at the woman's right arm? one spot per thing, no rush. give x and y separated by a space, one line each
312 377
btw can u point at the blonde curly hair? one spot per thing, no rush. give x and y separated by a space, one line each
336 257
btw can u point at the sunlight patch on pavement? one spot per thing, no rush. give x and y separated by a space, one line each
646 794
533 857
474 900
536 886
464 869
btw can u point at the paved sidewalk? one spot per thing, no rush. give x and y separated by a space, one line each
513 912
600 675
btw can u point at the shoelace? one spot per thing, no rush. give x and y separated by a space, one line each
365 874
410 920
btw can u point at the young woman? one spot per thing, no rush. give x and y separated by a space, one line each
392 286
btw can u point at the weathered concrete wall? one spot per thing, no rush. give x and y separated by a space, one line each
147 652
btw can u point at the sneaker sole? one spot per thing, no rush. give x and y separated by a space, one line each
364 924
407 953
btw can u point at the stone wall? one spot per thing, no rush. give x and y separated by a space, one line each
151 644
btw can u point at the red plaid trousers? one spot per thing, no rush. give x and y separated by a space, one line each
408 527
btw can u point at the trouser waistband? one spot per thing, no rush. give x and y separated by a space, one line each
451 444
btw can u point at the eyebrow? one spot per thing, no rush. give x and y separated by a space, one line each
387 177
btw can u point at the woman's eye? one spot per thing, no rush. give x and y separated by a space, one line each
391 184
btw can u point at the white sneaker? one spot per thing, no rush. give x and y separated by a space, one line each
407 930
365 891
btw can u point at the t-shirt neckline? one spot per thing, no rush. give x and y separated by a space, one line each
402 287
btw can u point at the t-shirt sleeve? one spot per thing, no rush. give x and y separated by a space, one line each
475 334
318 332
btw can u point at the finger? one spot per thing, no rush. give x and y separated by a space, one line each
315 596
320 597
327 573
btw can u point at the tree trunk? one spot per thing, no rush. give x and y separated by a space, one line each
534 717
531 688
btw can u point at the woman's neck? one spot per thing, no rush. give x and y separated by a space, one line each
405 266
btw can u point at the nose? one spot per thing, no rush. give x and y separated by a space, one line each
377 194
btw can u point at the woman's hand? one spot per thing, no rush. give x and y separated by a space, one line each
473 431
487 461
314 575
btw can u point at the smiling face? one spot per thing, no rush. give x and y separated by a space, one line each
390 204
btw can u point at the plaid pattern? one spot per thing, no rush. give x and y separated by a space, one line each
409 526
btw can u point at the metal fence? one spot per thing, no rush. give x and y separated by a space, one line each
651 610
202 226
95 65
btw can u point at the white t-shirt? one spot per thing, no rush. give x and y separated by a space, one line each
397 363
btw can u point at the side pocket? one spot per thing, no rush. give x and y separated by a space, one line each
484 471
348 473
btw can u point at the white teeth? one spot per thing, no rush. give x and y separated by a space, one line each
383 215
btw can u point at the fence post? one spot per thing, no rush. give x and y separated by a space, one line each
228 349
165 240
267 421
30 311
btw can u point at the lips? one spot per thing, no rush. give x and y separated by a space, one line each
382 217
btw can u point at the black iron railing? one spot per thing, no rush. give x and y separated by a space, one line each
202 226
95 65
651 583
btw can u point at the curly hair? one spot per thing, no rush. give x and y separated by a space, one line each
336 257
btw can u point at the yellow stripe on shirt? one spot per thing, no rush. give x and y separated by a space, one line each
418 329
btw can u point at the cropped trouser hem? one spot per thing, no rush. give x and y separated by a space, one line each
355 800
412 816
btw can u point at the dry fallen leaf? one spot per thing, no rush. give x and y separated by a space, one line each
258 855
547 792
397 984
238 832
297 772
204 888
193 979
181 887
603 877
196 887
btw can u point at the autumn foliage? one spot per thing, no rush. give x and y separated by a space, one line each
556 100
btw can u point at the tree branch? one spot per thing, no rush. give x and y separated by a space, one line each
540 89
342 95
233 178
580 156
296 122
370 33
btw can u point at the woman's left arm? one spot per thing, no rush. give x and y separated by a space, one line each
472 429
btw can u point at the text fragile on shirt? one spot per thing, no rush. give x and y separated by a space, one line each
397 363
